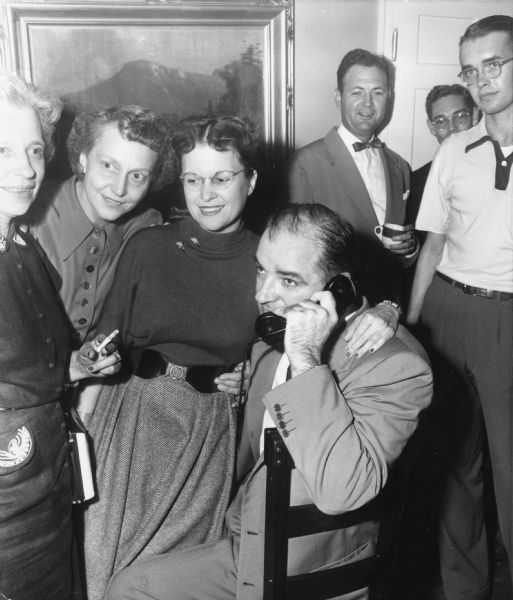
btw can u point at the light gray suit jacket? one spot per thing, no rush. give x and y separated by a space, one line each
346 423
324 172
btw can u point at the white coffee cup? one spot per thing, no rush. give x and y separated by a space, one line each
387 231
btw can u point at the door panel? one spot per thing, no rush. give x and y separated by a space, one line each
426 42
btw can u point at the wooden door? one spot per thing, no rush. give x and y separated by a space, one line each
423 38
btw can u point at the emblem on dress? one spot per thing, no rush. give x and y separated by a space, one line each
195 242
4 245
18 448
181 246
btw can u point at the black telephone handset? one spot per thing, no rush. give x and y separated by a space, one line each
271 328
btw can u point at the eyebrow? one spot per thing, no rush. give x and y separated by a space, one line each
453 112
485 60
288 274
36 142
363 87
106 157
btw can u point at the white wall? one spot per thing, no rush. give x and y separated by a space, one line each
324 31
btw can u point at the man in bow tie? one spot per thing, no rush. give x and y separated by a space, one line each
463 290
351 171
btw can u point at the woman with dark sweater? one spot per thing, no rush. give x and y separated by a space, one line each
183 294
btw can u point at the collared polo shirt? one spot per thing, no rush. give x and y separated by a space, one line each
84 254
460 201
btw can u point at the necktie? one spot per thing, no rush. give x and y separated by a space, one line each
502 164
374 143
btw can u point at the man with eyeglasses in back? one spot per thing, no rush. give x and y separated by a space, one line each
449 109
463 289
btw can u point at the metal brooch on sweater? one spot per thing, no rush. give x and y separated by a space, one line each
180 246
195 242
4 245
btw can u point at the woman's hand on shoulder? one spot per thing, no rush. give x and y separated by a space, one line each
370 330
231 382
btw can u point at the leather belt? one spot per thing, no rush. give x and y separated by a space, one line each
201 378
476 291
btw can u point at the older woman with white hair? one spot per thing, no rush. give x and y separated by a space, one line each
36 365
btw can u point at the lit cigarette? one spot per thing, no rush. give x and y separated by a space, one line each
109 338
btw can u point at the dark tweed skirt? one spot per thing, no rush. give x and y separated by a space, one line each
165 458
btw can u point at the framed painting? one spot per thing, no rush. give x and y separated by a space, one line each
178 58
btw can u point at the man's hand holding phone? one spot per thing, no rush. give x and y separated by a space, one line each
309 324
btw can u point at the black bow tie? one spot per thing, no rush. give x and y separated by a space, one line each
374 143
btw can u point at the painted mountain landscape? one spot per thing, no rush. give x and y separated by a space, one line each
235 88
161 89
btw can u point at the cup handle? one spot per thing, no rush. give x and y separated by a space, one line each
378 230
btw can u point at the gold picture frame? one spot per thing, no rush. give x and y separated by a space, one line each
178 58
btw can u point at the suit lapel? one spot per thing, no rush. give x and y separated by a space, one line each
396 188
347 177
264 363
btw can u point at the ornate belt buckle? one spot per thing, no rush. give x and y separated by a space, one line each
477 291
176 372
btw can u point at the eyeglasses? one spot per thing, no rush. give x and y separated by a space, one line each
459 119
219 181
490 68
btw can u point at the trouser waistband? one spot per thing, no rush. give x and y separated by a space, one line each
476 291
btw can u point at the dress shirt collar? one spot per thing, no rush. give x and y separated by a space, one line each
349 138
75 225
502 163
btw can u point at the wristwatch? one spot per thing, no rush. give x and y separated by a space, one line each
394 305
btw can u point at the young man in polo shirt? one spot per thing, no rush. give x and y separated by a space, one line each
464 289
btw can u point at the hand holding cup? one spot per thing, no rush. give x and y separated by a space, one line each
399 239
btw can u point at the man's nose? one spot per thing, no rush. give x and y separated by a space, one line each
265 290
368 99
482 78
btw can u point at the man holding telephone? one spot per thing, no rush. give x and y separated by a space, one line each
344 420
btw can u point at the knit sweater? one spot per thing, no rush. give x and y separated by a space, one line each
185 293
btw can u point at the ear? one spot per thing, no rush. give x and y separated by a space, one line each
83 162
252 182
431 127
476 115
338 99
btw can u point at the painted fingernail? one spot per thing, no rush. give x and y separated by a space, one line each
371 350
356 355
348 353
91 368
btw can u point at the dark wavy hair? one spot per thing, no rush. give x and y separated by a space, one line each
221 133
488 25
364 58
441 91
18 92
135 124
325 228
